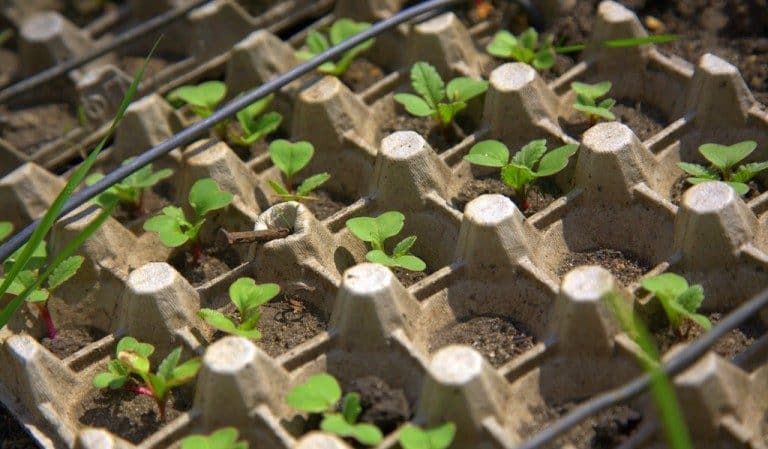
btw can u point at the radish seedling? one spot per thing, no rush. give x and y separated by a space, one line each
131 370
587 100
291 158
254 124
723 159
172 225
341 30
679 300
376 230
202 98
131 189
226 438
440 437
437 100
248 297
27 278
6 228
320 394
523 48
519 172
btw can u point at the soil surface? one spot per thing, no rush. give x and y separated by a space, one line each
733 343
384 406
325 204
439 138
680 186
9 64
408 277
213 263
30 127
69 341
132 416
361 75
497 338
540 194
643 119
605 430
12 434
625 267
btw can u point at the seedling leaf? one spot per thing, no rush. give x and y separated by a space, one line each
376 230
502 44
591 90
168 228
312 183
428 83
206 196
66 270
6 228
203 98
530 153
412 437
367 434
556 160
697 170
317 394
279 189
746 172
225 438
414 105
404 246
351 408
724 157
218 320
517 176
488 153
289 157
247 295
465 88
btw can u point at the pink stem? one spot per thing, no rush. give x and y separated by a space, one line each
140 390
197 252
45 315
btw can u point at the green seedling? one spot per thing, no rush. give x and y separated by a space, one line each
129 191
172 225
523 48
587 96
723 158
521 171
226 438
320 394
131 370
27 278
679 300
248 297
202 98
437 100
255 124
340 31
376 230
6 228
440 437
26 254
291 158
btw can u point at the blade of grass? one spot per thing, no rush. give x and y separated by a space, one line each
48 220
619 43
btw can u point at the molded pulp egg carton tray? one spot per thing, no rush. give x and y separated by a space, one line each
488 259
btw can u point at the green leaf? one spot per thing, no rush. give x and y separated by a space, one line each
263 126
529 38
185 372
595 110
414 105
502 44
351 408
6 228
556 160
724 157
376 230
134 362
248 114
465 88
428 83
608 103
488 153
225 438
517 176
114 378
591 90
317 394
312 183
697 170
206 196
38 295
279 189
448 111
412 437
367 434
169 363
168 228
522 54
245 294
544 58
410 262
667 284
217 320
745 173
691 298
204 95
316 42
530 153
344 29
290 157
133 345
739 187
701 320
66 270
404 246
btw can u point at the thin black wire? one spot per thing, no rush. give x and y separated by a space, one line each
47 75
677 364
200 128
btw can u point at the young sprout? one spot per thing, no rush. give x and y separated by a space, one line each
340 31
202 98
520 172
6 228
225 438
679 300
723 158
523 48
376 231
586 100
437 100
129 191
172 225
440 437
29 275
320 394
254 124
291 158
248 297
131 370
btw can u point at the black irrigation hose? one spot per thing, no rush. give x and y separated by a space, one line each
679 362
54 72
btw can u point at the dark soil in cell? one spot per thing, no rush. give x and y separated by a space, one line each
644 120
29 127
361 75
540 194
382 405
325 204
625 267
69 341
9 64
132 416
408 277
733 343
439 138
257 7
12 434
497 338
83 12
606 430
681 185
213 263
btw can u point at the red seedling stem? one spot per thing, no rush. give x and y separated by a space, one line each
197 252
45 315
148 392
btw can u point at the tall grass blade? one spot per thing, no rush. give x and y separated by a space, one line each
619 43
